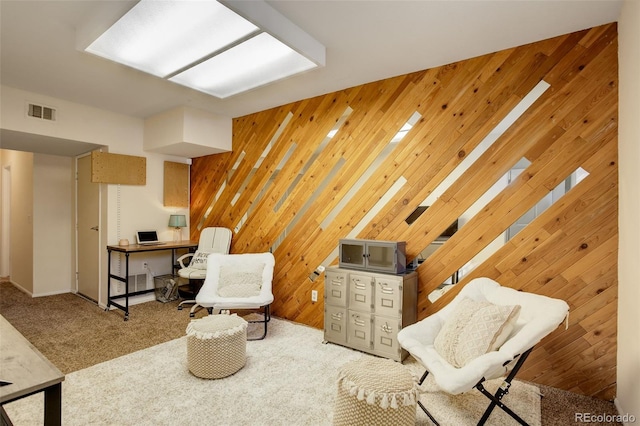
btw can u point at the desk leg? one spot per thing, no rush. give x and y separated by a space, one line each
126 287
108 281
53 405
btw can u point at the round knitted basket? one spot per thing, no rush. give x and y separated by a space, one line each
216 345
375 391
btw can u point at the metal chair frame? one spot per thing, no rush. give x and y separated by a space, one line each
496 399
266 313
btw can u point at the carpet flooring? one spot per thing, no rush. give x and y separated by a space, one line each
288 379
74 334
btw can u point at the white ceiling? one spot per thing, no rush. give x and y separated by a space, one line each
365 41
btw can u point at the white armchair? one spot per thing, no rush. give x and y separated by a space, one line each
239 281
212 240
486 332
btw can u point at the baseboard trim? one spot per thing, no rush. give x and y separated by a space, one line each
625 418
133 300
52 293
19 287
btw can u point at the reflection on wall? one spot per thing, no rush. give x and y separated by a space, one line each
567 251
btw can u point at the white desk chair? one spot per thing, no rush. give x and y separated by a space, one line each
212 240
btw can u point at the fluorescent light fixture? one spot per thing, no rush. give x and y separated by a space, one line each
257 61
162 37
209 47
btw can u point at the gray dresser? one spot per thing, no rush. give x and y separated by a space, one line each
365 310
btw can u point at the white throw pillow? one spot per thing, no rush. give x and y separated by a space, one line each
199 260
245 282
473 329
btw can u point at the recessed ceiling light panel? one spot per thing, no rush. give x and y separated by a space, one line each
162 37
256 62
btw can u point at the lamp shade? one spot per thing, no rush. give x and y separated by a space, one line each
177 221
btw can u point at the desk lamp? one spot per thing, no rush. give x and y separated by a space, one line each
177 221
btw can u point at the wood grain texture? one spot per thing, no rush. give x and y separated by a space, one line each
568 251
118 168
176 184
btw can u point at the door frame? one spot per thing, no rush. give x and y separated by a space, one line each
101 233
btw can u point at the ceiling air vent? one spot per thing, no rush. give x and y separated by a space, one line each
42 112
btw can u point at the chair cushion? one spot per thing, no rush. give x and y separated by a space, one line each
192 273
240 283
473 329
199 260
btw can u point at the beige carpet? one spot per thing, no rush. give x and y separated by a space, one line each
468 408
74 334
289 379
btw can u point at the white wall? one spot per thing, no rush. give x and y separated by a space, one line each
128 207
53 260
21 217
628 362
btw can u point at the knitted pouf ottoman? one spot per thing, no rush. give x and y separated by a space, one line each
216 345
375 391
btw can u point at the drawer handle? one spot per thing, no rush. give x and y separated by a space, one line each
385 288
337 316
386 328
357 321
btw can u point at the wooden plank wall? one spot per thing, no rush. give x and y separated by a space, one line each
569 251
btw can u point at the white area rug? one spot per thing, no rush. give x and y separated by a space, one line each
289 379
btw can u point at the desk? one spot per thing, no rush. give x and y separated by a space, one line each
29 372
136 248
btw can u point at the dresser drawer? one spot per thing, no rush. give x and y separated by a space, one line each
360 292
335 288
335 324
385 337
388 296
359 330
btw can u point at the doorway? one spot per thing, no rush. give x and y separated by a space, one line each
87 230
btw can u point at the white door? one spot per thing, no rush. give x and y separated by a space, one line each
88 220
5 244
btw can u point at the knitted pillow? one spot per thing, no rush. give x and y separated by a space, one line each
199 260
246 282
474 328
